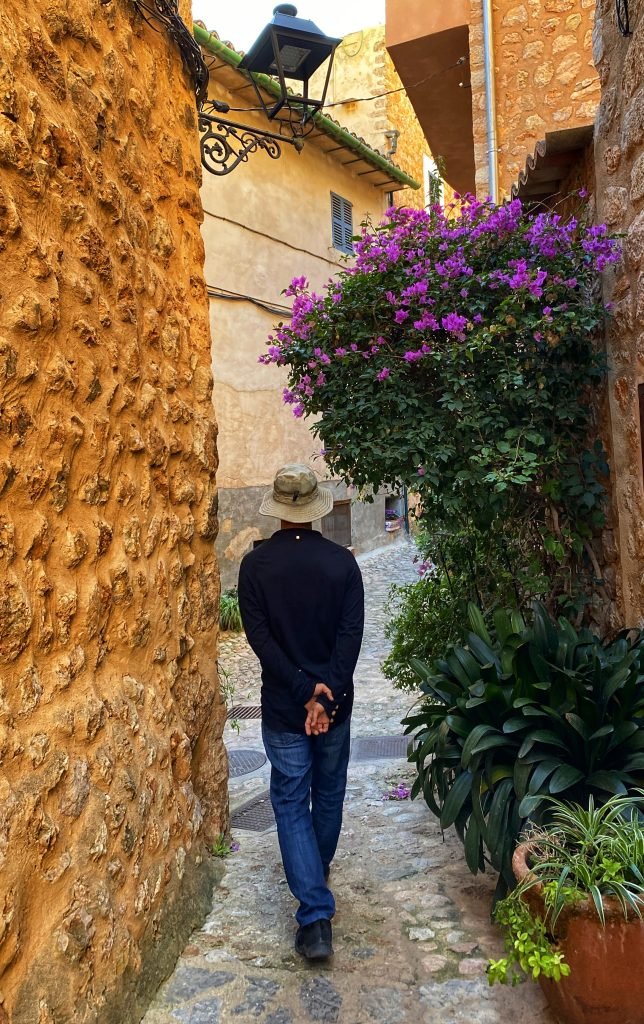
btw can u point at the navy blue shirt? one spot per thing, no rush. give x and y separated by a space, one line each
302 605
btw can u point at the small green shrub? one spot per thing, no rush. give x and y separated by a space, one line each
489 569
229 614
427 618
517 716
223 846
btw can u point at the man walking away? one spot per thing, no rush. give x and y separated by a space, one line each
302 605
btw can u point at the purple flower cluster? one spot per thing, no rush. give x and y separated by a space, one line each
425 281
399 792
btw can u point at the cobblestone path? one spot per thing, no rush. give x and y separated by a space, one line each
412 933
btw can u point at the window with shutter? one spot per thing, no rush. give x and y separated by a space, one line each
337 525
341 223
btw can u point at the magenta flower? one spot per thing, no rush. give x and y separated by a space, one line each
384 373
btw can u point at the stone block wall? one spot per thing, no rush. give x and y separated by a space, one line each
619 156
544 77
363 68
112 770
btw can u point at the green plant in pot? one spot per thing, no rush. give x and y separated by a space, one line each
574 921
521 713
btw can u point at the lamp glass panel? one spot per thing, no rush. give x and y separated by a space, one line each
292 58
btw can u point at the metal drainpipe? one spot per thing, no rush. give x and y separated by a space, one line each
490 100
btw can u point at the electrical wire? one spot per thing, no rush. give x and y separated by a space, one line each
269 307
402 88
359 99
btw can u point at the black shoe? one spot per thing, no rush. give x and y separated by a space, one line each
313 941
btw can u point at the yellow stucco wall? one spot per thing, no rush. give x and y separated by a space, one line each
544 76
265 223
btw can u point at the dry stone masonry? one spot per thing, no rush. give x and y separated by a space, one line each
112 769
619 153
544 77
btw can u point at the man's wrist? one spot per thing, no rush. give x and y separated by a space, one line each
326 703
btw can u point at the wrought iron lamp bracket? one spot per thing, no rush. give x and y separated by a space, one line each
226 144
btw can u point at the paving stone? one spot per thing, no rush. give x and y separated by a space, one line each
259 993
473 966
321 1000
279 1016
206 1011
384 1005
189 981
434 964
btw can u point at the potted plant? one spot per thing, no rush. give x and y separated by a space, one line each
574 922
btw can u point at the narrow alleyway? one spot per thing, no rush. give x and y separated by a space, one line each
412 933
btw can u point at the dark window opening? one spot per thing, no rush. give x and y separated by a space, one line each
337 525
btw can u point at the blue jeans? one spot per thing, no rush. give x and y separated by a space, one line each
308 783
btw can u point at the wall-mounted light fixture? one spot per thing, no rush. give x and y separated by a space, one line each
289 49
392 135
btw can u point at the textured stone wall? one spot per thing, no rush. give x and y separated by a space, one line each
363 67
619 155
112 771
544 76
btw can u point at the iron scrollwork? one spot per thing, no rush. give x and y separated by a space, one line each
225 144
623 18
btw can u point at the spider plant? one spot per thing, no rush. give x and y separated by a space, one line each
585 852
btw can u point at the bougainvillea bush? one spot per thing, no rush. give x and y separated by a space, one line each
456 355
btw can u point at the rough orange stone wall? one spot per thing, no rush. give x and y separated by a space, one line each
544 76
112 770
619 155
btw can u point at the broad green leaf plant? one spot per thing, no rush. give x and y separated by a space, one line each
519 714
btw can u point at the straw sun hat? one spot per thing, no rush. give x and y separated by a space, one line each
296 496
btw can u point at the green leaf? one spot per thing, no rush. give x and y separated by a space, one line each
497 818
474 738
529 804
609 781
540 774
472 845
456 798
564 777
477 623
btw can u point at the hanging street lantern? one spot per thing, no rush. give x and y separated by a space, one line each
291 49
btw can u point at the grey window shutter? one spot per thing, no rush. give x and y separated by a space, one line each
341 223
348 224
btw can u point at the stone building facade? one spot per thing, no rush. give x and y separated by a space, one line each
363 68
619 153
112 769
545 79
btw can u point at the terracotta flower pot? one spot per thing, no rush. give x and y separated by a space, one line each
606 980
